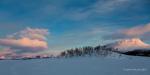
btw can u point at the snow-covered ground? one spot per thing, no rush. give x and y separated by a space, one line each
112 65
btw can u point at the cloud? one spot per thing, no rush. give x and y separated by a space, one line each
99 8
39 34
24 44
6 51
108 6
137 31
142 32
28 39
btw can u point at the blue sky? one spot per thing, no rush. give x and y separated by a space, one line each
73 23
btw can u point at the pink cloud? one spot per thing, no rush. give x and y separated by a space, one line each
28 39
137 31
142 32
39 34
5 51
24 43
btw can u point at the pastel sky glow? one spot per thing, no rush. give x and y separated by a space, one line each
33 26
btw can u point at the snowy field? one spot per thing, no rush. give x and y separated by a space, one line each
125 65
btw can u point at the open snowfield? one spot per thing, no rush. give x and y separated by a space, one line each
124 65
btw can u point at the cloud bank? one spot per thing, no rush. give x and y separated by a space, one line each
24 44
27 40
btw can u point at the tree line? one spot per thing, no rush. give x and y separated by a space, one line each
87 51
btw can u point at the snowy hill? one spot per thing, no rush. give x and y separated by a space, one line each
129 45
135 47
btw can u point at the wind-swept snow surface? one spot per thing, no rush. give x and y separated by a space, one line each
126 65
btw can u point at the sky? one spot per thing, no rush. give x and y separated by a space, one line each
37 25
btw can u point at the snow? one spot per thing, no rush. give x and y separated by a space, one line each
77 66
129 45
